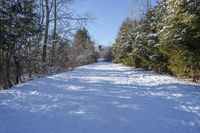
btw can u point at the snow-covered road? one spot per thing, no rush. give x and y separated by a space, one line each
101 98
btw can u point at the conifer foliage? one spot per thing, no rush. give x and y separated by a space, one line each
181 37
165 39
30 46
123 45
83 48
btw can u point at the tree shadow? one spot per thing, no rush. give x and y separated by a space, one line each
115 99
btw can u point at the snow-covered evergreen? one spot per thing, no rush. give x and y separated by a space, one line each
166 39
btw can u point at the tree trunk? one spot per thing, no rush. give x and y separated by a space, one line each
42 12
8 83
17 76
44 52
54 33
1 70
17 71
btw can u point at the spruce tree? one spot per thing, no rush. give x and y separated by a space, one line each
181 36
123 43
84 47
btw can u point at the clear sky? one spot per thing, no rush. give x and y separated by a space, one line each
108 14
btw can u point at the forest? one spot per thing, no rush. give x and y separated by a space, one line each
44 37
135 68
165 38
41 37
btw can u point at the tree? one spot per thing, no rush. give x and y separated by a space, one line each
148 44
28 46
181 36
138 8
54 31
19 22
83 48
123 43
44 53
10 19
63 23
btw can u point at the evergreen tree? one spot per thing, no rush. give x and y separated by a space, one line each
10 19
181 36
82 39
123 45
165 39
83 48
145 45
22 52
18 26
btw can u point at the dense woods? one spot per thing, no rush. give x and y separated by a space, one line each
36 38
99 66
165 38
41 37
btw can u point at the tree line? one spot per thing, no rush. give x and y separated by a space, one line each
37 38
165 39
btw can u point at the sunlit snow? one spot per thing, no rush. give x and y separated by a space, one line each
101 98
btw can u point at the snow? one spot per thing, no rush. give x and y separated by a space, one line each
152 35
102 97
151 42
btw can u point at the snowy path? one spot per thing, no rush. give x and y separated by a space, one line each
101 98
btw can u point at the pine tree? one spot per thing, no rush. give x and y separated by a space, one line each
144 45
9 13
18 27
82 39
181 36
83 48
123 45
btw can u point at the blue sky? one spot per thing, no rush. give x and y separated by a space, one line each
108 14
